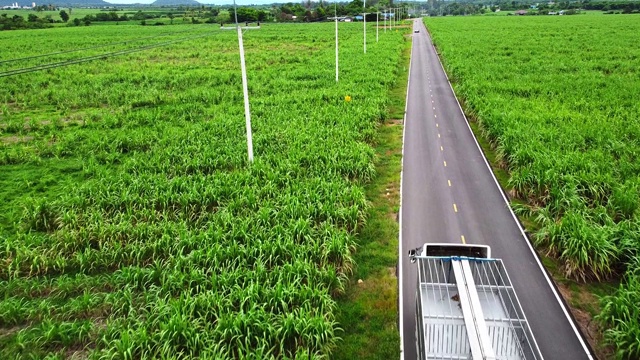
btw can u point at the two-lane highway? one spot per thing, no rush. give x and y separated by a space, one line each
449 194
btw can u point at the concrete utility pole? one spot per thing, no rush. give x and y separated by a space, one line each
335 9
364 18
245 89
395 19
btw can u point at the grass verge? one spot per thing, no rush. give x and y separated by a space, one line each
368 311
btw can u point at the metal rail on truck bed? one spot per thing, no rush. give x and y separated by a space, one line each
466 307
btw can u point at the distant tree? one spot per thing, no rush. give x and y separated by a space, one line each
64 16
286 9
32 18
223 18
247 14
171 17
77 21
355 7
139 15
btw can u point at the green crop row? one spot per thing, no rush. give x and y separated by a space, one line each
132 225
558 99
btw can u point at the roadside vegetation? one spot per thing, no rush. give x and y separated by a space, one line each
560 110
531 8
131 223
368 311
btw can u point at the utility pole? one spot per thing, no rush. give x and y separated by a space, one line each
377 14
395 19
245 89
364 18
335 9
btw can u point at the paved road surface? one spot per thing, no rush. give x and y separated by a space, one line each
449 193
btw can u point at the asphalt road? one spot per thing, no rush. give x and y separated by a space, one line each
450 195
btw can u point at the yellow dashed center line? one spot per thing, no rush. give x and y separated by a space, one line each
455 208
449 181
463 240
436 124
438 135
441 148
445 164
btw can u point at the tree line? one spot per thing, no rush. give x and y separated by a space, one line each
17 22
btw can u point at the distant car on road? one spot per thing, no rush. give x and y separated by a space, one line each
416 31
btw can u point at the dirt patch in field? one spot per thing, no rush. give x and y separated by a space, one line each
63 122
77 353
11 331
8 140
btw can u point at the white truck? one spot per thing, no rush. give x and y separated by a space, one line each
466 307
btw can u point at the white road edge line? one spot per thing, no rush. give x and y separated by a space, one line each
404 131
524 235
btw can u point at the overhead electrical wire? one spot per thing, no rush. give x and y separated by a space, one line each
93 47
97 57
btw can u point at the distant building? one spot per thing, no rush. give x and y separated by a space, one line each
13 6
340 18
521 12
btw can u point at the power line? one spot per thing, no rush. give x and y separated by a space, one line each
92 47
96 57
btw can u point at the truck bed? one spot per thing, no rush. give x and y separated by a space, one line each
468 309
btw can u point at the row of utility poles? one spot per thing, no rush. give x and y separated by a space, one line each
386 14
239 29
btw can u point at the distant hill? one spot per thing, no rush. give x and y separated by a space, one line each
175 2
77 3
